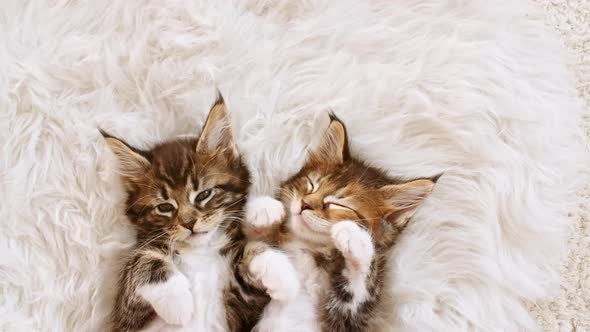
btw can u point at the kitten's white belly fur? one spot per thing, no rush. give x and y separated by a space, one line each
300 314
208 274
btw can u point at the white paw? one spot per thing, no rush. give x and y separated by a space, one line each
354 243
264 211
172 300
276 273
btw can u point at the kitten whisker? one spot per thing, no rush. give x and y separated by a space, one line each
152 239
138 200
147 185
236 202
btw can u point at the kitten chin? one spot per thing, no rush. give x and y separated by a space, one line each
304 231
215 239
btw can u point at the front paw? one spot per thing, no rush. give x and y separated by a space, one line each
276 273
264 211
172 300
354 243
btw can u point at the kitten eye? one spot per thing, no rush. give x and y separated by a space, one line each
165 208
310 187
203 195
336 206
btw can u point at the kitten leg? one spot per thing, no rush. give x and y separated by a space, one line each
354 283
170 296
172 300
147 280
355 244
272 269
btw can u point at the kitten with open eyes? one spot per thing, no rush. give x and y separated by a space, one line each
185 198
343 218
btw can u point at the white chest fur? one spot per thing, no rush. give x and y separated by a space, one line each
208 273
300 314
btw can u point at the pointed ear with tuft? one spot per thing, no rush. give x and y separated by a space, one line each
333 147
217 136
402 200
131 162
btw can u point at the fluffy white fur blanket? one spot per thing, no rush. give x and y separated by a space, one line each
476 89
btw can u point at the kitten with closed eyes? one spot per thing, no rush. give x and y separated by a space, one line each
336 221
185 197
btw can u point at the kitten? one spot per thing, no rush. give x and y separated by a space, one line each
185 198
343 219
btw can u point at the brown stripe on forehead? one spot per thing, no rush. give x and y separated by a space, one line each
224 179
192 180
174 161
174 171
228 187
164 192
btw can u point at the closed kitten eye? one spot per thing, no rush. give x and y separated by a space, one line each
336 206
335 203
165 208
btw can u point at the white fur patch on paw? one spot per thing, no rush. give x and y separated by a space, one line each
354 243
172 300
274 270
264 211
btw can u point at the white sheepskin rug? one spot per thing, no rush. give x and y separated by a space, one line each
475 89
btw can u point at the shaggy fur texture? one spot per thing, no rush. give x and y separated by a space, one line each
569 310
477 89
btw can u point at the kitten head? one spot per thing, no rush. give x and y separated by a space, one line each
185 189
333 186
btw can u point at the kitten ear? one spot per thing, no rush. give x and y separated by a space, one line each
131 162
402 200
217 134
334 145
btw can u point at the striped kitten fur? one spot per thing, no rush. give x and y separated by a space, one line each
342 219
185 198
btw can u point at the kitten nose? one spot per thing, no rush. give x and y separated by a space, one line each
305 206
189 225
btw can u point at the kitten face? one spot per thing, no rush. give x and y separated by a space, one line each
334 187
185 189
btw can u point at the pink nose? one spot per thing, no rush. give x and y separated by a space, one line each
305 206
189 225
